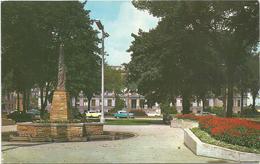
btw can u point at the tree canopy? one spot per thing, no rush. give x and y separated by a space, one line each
31 35
196 49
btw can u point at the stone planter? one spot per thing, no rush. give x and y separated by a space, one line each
208 150
59 130
180 123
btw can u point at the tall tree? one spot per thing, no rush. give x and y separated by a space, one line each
34 31
195 49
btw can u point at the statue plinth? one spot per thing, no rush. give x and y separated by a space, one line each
60 106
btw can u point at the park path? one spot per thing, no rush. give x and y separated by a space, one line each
152 144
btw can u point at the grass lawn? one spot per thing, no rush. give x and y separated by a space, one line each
133 122
206 138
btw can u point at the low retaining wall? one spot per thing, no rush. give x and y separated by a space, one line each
208 150
59 130
180 123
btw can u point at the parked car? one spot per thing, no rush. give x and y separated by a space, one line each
93 114
36 114
123 114
154 114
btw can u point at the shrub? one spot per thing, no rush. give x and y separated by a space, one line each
111 111
76 114
248 112
187 116
219 111
119 104
167 118
167 109
46 115
138 112
20 116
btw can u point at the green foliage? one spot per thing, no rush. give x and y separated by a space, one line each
167 119
219 111
167 109
249 112
138 112
20 116
114 80
167 112
32 34
76 113
46 115
218 39
119 104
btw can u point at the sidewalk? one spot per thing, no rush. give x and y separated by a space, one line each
153 144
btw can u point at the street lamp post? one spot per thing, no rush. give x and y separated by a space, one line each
104 35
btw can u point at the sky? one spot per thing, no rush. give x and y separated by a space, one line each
120 19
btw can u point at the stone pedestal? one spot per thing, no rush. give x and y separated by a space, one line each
60 107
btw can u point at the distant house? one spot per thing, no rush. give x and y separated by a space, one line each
196 106
132 101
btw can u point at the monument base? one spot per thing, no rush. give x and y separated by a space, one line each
68 131
60 107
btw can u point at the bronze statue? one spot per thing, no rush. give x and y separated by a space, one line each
61 70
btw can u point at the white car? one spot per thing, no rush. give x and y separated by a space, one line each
153 114
93 114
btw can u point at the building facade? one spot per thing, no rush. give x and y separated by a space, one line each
132 101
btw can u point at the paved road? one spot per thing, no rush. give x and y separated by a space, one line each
153 143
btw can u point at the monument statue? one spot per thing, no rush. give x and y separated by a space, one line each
62 70
60 101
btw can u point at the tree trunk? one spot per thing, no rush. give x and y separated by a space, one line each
24 101
185 104
254 98
18 102
41 97
46 96
242 101
230 100
75 102
89 100
225 102
203 104
28 99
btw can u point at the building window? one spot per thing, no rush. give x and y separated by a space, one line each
133 103
109 102
93 102
238 103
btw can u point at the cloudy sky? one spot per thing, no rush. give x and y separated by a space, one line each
120 19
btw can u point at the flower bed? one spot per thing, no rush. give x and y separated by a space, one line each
231 130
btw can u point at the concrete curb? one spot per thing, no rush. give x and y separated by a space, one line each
208 150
